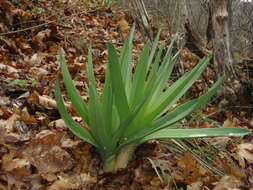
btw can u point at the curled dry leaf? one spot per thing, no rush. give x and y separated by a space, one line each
72 182
45 101
42 35
11 138
228 183
245 152
16 166
192 170
8 124
69 143
4 101
230 122
35 59
38 71
123 25
251 122
7 68
60 124
195 186
49 138
10 44
48 159
27 117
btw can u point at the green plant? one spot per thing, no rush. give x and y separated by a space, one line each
109 1
21 83
134 106
18 82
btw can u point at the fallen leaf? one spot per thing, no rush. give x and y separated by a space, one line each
228 183
11 138
9 123
60 124
45 101
195 186
48 159
69 143
123 24
49 138
16 166
245 152
27 117
66 182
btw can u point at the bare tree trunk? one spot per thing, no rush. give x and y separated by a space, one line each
141 17
223 59
221 23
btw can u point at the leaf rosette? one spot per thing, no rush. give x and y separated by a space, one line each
135 106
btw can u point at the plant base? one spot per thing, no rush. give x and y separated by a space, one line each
120 160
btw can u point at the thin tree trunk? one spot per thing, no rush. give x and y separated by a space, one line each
223 60
221 23
141 16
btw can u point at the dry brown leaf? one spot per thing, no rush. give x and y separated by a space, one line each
14 138
49 138
191 171
35 59
60 124
18 167
42 35
40 72
245 152
45 101
4 100
7 68
49 177
27 117
228 183
195 186
122 24
251 122
9 123
69 143
48 159
233 122
72 182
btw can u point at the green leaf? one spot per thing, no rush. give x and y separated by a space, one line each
167 99
76 128
125 61
177 90
73 94
154 48
177 114
169 119
163 74
97 121
155 65
118 84
196 133
139 78
108 108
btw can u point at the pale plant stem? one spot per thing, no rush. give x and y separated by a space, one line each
120 160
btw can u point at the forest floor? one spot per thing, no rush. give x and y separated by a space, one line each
38 151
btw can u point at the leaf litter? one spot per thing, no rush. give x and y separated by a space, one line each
37 150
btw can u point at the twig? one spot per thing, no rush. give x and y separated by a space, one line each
44 24
25 29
